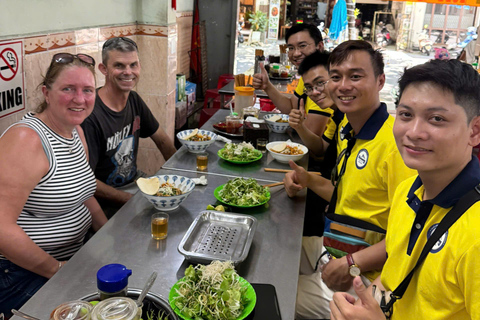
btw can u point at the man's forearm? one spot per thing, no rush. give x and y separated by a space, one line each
109 193
371 258
313 142
321 186
280 100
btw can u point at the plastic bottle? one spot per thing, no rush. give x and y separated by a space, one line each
112 281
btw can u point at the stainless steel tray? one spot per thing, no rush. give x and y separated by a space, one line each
216 235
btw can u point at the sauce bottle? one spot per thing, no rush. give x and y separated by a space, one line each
112 280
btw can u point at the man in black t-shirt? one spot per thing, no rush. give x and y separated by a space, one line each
119 119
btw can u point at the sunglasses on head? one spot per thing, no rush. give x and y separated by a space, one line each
66 58
110 41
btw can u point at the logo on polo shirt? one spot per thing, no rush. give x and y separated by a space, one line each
441 242
362 159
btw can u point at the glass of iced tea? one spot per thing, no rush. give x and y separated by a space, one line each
262 144
159 225
202 161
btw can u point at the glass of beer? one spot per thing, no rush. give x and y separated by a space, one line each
202 161
159 225
262 144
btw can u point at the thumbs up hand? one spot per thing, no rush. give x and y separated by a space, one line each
295 180
343 305
297 117
260 80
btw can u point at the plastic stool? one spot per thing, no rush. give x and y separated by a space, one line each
206 114
223 80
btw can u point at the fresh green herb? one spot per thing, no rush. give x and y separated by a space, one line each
244 192
160 315
211 292
240 152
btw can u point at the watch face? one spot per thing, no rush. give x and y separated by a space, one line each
354 271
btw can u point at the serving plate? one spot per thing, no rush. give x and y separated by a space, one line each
221 129
250 294
259 156
215 235
216 193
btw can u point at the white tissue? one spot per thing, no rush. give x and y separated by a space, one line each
202 180
222 138
254 120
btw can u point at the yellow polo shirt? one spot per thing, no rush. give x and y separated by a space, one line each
310 106
373 171
447 284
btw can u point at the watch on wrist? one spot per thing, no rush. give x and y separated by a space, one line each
353 268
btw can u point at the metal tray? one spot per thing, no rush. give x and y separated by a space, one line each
216 235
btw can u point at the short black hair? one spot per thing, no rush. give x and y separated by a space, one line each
345 49
312 30
315 59
453 76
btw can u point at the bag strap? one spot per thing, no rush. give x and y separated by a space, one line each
456 212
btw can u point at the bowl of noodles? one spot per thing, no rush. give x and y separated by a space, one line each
277 122
196 140
166 192
284 151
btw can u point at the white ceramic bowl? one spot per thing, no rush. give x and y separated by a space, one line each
284 158
278 127
171 203
196 146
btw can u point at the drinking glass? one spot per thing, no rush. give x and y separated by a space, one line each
262 144
202 161
159 225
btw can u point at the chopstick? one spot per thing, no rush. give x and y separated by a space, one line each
274 184
285 171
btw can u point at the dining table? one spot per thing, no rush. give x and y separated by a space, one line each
273 258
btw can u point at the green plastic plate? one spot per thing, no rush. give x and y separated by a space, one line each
240 162
250 293
216 193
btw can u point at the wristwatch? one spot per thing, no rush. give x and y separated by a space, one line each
353 268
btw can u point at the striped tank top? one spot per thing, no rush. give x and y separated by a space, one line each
54 216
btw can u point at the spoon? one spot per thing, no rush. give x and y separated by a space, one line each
23 315
147 287
72 314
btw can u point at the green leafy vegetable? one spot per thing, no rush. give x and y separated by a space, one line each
211 292
244 192
243 152
160 315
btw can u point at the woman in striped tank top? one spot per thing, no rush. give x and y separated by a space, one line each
47 186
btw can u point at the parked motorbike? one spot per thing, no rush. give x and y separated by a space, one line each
383 37
366 31
425 44
241 39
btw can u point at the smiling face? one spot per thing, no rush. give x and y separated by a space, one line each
353 85
122 71
300 45
71 97
432 132
315 76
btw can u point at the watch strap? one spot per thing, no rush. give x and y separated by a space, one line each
350 260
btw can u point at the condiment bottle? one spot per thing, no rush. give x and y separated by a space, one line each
117 308
112 280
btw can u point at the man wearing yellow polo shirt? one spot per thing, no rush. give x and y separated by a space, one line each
369 170
436 128
302 40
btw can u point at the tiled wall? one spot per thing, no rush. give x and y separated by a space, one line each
158 57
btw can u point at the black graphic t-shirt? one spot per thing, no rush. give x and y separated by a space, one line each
113 137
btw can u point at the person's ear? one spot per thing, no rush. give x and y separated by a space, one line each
381 81
474 139
102 68
320 46
45 94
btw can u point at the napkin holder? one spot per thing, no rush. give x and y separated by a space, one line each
253 131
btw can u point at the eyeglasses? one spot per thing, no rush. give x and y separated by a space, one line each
110 41
66 58
336 174
301 47
319 87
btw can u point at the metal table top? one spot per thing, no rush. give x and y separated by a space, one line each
185 161
273 258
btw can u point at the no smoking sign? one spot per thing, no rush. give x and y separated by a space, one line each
11 78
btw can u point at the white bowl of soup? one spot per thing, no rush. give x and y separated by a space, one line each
196 140
284 151
167 191
277 122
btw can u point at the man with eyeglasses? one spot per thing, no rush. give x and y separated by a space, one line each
367 171
119 119
302 40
